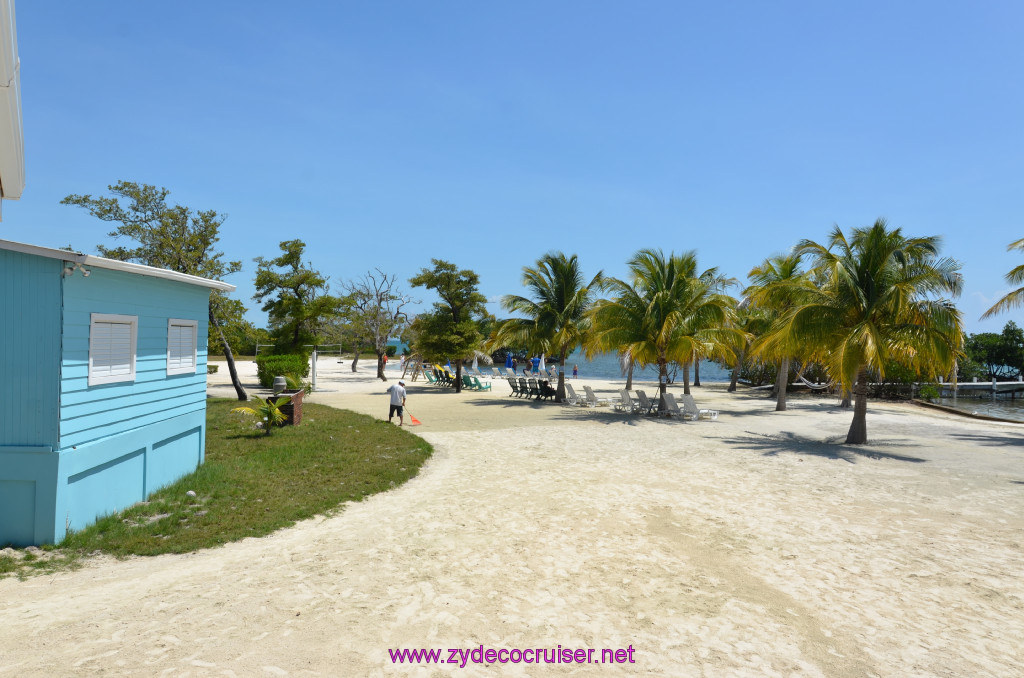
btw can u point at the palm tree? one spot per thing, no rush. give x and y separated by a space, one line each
267 412
875 301
1015 298
776 286
556 319
665 312
752 322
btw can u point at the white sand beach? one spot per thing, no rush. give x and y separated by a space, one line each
754 545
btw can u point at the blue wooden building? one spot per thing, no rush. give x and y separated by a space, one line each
103 365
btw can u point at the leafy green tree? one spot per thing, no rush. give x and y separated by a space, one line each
776 287
451 329
241 334
874 301
556 320
666 311
1014 298
294 296
176 237
1001 356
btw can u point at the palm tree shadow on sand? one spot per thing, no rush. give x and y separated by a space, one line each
993 440
831 448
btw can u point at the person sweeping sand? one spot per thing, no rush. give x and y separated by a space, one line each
398 394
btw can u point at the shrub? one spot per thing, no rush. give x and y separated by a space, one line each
212 369
267 413
270 366
929 392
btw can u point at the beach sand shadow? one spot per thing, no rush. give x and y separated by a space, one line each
560 412
832 448
990 439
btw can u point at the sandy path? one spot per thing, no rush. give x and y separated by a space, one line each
742 547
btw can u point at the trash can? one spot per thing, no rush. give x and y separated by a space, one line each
293 408
280 384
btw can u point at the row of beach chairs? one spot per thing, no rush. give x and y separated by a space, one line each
641 404
523 387
440 376
506 373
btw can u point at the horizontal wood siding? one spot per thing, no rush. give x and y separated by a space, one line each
92 412
30 311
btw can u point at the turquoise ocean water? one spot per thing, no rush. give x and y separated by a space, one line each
1003 408
607 367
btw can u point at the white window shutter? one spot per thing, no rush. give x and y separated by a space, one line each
112 348
181 346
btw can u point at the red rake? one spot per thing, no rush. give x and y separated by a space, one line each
413 421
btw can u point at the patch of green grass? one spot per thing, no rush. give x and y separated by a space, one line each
8 564
251 485
27 562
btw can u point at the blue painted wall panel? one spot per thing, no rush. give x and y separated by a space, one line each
28 518
90 413
174 457
76 486
18 523
130 465
30 317
106 488
126 419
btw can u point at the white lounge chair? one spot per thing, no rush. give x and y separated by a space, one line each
571 397
672 408
646 405
691 410
626 404
593 400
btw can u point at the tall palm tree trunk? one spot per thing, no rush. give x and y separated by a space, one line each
230 357
858 433
629 376
736 370
560 393
686 378
696 373
458 375
781 382
662 383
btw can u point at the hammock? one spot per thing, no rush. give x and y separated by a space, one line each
812 386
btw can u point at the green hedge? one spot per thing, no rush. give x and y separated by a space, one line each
270 366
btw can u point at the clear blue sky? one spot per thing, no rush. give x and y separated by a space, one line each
384 134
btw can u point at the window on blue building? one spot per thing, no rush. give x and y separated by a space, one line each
181 346
112 340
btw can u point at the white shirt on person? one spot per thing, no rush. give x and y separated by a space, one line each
397 392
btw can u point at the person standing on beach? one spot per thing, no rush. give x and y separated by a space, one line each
575 371
397 392
536 364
